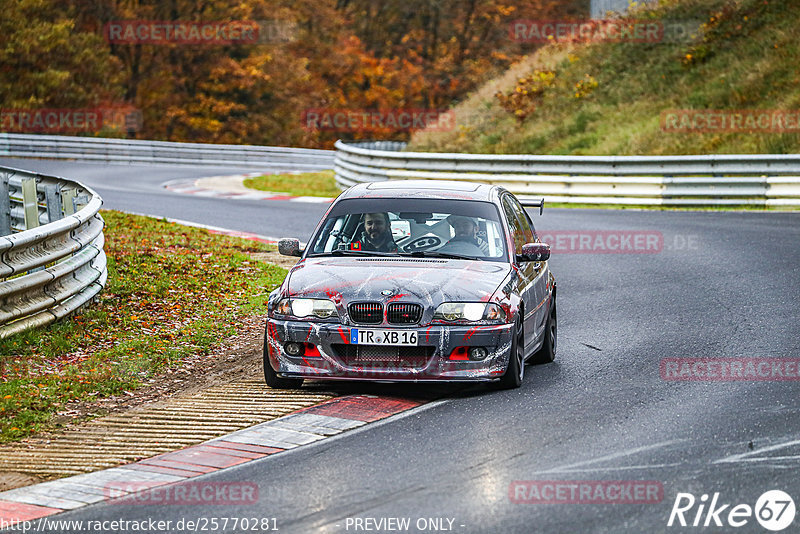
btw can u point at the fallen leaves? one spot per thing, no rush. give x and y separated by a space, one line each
167 299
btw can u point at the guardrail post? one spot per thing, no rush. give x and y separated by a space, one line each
53 198
68 201
30 203
5 204
81 201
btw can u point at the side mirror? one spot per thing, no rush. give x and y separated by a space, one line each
534 252
289 246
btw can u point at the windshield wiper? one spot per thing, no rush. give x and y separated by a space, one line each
348 252
425 254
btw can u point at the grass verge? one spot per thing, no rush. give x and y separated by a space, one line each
607 98
173 291
313 184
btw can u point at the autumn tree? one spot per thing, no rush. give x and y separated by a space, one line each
344 54
457 43
47 61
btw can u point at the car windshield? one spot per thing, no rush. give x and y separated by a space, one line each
412 227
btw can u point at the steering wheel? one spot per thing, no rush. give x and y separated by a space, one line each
425 242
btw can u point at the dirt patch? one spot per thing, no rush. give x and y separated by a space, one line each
10 480
272 256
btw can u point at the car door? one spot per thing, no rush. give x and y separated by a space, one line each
527 272
542 270
539 271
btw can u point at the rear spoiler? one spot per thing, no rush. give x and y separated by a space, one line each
533 203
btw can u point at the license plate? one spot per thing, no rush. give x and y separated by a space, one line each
360 336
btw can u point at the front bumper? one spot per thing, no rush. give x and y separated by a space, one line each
334 357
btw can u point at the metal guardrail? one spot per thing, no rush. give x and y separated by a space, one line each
718 180
51 249
128 151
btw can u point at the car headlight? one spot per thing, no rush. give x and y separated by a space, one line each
300 307
469 311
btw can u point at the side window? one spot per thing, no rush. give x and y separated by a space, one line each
517 233
524 221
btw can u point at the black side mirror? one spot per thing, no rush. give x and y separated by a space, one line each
534 252
289 246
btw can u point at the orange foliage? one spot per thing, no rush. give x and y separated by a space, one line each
344 54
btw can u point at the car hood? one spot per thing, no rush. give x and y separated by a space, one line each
427 281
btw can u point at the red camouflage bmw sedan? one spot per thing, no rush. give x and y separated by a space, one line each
415 281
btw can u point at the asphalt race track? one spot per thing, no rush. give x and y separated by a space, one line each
719 285
138 189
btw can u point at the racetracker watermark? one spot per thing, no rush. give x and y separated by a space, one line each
183 494
603 241
730 121
585 492
162 32
90 120
730 369
613 30
380 120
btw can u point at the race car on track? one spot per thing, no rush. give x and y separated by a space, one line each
414 281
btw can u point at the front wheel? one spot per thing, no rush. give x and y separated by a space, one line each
516 365
547 353
273 380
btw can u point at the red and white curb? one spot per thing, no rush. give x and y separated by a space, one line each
193 187
294 430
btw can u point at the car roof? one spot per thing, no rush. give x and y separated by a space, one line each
443 189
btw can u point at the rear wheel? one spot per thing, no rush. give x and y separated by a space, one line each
516 364
547 353
273 380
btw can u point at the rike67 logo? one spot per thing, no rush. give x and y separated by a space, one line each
774 510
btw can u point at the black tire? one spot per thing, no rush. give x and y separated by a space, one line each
547 353
515 371
273 380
